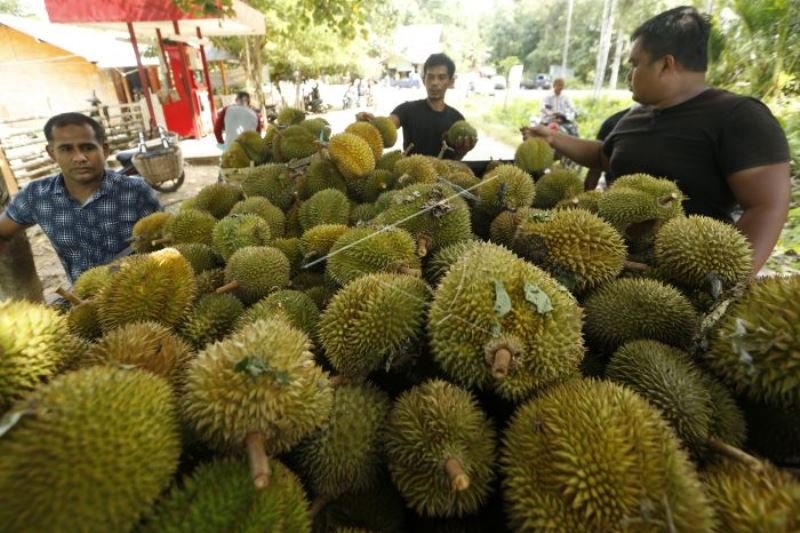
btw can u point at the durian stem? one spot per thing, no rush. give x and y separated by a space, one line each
459 480
667 199
259 462
734 453
71 297
162 240
339 380
228 287
443 150
318 505
501 363
422 245
636 266
408 150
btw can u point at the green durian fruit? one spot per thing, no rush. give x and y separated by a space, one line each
440 263
504 226
91 282
200 256
317 241
414 170
319 128
352 155
590 456
190 225
370 134
211 319
497 322
387 129
389 159
505 187
272 182
91 451
628 309
220 497
367 250
362 213
534 155
293 228
586 200
253 272
209 281
373 185
321 174
288 116
237 231
218 198
272 215
253 145
235 156
346 454
291 249
440 449
459 129
372 319
295 142
325 207
83 320
148 229
299 309
556 186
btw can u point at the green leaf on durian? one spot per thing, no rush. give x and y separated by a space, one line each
502 301
252 365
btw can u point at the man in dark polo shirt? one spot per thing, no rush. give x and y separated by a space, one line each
425 122
608 125
720 148
86 211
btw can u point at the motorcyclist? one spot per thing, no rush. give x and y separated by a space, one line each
558 109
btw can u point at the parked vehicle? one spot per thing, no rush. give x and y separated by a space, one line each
411 82
542 81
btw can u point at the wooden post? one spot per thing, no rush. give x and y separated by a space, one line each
167 66
142 77
206 74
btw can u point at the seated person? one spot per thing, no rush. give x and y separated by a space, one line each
425 122
236 119
86 211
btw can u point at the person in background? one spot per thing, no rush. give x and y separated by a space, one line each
86 211
236 119
557 103
723 150
608 125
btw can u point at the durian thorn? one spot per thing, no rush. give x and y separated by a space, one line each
69 296
162 240
228 287
339 380
501 363
408 149
667 199
310 255
635 266
423 242
459 480
259 462
734 453
318 505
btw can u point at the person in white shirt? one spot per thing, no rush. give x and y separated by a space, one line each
558 103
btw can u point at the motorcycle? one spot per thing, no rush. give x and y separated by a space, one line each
558 122
158 161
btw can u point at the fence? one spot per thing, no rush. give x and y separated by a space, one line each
22 142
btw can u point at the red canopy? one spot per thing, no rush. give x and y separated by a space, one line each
113 11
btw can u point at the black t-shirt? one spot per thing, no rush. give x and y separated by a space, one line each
697 144
610 123
424 127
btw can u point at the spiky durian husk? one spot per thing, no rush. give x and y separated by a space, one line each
373 185
534 155
748 500
158 287
754 348
200 256
586 200
291 249
83 320
414 170
459 129
728 422
319 128
30 350
272 182
211 319
317 241
370 134
543 324
190 225
106 437
321 174
591 456
209 281
628 309
272 215
295 142
371 319
505 187
260 379
235 156
352 155
440 263
289 116
218 198
556 186
326 207
504 226
91 282
74 350
387 129
237 231
578 248
259 270
253 145
367 250
388 160
148 229
429 425
347 453
298 308
220 497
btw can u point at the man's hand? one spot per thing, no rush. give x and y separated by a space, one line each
546 133
364 116
464 145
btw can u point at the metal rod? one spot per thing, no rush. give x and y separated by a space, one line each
142 76
206 74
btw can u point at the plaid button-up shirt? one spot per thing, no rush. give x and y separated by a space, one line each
85 235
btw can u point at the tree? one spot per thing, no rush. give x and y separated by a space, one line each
605 44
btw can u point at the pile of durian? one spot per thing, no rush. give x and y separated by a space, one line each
375 342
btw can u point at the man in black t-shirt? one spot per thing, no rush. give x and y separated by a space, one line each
721 149
425 122
608 125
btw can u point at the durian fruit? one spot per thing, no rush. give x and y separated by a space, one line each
438 265
148 229
91 451
30 347
209 281
83 320
295 142
579 249
272 215
370 134
189 225
747 499
754 347
220 497
200 256
628 309
459 180
352 155
325 207
291 249
297 307
307 279
218 198
366 250
288 116
258 389
319 128
433 214
253 145
556 186
293 227
414 170
699 251
373 185
446 167
459 129
317 242
237 231
346 454
321 174
505 187
91 282
146 345
591 456
253 272
389 159
159 287
504 226
272 182
498 322
387 129
211 319
319 294
74 350
371 320
534 155
586 200
234 156
440 449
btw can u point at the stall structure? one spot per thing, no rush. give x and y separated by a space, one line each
187 96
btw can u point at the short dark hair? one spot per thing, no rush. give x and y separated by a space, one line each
436 60
73 119
681 32
242 94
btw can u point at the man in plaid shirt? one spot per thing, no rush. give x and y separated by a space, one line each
86 211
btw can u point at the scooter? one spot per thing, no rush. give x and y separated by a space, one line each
158 161
558 122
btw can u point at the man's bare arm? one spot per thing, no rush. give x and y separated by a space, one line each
585 152
8 229
764 194
365 116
